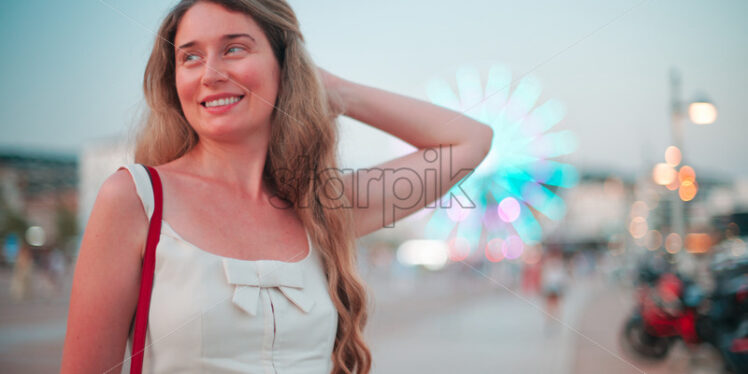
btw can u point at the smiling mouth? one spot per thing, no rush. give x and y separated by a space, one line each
221 102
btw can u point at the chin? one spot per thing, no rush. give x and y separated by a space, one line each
228 131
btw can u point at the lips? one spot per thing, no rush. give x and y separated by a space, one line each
221 104
220 100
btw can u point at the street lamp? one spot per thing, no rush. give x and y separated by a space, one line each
700 112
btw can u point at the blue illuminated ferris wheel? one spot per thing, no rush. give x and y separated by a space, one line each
518 180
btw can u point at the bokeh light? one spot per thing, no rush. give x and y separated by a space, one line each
459 249
702 113
459 209
688 190
509 209
35 236
673 243
654 240
494 251
672 156
674 185
663 174
638 227
698 242
686 173
432 254
512 247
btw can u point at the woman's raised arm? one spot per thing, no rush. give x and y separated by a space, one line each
106 281
450 146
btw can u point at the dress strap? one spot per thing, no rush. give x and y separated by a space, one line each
143 186
147 273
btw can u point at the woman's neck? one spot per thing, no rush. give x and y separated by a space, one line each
238 166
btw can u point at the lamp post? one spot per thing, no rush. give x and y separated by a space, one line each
700 112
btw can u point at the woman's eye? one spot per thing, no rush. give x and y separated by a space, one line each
191 57
234 49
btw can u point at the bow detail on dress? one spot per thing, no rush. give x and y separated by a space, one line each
249 277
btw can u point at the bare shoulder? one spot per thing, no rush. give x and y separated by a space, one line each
118 210
118 191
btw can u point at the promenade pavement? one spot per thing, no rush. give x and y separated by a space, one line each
599 349
32 331
496 330
441 322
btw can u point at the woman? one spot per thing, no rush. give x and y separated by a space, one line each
554 279
242 132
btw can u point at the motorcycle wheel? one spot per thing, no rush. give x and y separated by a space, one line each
643 343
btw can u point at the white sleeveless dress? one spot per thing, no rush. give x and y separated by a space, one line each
215 314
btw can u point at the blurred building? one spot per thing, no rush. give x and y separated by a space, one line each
99 160
610 210
38 190
596 211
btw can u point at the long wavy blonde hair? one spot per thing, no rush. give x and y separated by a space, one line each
302 149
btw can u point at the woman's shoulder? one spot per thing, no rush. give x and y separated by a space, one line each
117 215
119 192
118 185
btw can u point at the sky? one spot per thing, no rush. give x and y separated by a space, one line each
72 71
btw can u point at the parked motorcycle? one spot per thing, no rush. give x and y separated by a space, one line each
725 324
671 308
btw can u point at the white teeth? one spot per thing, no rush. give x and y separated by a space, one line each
221 102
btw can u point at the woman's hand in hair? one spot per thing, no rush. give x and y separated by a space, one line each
450 145
333 86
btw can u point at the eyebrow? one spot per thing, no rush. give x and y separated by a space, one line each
225 37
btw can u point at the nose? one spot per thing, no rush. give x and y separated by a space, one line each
214 72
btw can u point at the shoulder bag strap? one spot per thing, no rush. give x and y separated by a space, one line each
146 277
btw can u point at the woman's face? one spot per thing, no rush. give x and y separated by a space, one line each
227 76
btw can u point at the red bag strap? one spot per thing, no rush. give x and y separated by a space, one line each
146 276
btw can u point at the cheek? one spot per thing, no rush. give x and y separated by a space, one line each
186 88
251 79
262 80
